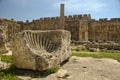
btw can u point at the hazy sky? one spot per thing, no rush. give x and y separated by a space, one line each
34 9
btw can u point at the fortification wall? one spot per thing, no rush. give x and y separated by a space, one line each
9 27
105 30
72 24
82 27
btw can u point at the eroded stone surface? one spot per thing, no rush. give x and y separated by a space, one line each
85 68
81 68
40 50
2 42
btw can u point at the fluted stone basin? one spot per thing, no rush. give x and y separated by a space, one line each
40 50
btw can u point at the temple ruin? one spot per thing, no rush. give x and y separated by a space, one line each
82 27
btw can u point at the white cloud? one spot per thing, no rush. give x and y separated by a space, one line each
82 5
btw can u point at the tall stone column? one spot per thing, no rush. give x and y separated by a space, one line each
80 36
86 36
62 20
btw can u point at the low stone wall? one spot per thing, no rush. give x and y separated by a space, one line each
109 46
40 50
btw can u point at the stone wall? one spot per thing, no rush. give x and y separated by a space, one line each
73 23
2 41
82 27
9 28
104 30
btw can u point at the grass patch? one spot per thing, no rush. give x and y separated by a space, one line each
101 54
6 58
8 74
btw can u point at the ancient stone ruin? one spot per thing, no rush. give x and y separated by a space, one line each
2 40
40 50
82 27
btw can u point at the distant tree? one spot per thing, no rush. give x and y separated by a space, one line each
12 19
27 21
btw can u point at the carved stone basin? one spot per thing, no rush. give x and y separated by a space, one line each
40 50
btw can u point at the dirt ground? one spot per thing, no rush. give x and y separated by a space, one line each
85 68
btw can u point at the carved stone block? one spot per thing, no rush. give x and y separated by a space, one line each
40 50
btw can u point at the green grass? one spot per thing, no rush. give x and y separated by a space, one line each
101 54
8 74
6 58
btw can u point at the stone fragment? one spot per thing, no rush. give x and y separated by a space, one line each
94 49
2 42
62 73
40 50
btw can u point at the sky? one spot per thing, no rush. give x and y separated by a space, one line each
22 10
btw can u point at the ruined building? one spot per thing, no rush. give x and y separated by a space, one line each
82 27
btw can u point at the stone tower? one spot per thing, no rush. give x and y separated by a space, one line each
62 20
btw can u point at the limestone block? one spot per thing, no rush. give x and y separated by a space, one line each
40 50
2 43
2 46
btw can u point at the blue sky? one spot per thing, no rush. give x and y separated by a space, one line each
34 9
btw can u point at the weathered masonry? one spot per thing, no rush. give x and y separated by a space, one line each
40 50
82 27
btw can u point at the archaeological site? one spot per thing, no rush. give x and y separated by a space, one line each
82 27
43 43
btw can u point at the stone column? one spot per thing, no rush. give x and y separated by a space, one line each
80 33
80 36
62 20
86 36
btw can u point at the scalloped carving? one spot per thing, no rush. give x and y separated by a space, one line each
40 50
